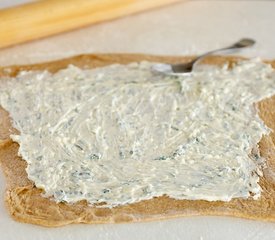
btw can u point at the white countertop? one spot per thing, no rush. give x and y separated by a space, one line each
182 29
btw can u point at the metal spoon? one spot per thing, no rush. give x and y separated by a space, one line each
186 68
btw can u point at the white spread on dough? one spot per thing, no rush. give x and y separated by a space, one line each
121 134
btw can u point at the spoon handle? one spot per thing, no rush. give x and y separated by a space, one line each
187 67
245 42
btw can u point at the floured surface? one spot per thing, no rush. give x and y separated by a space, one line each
162 207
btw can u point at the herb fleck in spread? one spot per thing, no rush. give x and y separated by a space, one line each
121 134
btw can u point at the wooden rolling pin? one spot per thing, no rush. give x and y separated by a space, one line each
47 17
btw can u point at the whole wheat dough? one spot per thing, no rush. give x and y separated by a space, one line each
25 203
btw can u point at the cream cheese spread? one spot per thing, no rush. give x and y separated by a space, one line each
121 134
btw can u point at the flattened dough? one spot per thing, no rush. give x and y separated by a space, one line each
25 203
